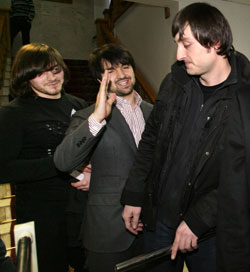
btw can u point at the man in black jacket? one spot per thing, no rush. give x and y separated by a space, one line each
233 230
178 163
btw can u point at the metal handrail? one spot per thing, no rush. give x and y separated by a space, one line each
141 260
23 260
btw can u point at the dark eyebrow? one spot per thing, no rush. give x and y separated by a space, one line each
52 67
110 68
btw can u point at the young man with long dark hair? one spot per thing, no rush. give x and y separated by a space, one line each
32 126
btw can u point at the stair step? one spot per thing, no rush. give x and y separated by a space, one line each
4 90
81 83
4 99
6 82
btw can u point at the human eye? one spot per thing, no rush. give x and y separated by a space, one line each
125 66
57 69
110 71
186 44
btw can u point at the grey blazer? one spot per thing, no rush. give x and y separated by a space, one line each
111 153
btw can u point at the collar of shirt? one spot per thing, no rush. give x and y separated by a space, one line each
133 116
121 102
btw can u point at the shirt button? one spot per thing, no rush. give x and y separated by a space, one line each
207 153
189 184
181 214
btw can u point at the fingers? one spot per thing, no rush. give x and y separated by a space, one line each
81 185
87 169
185 240
175 248
111 99
131 216
103 90
103 104
194 244
139 227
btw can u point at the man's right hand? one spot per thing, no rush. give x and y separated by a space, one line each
131 217
103 103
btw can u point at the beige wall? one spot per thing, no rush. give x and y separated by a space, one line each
238 16
70 28
147 34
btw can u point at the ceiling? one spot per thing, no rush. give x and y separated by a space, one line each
165 2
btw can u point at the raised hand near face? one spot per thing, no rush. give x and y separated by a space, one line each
103 102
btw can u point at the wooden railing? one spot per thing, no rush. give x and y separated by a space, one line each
7 222
5 50
105 27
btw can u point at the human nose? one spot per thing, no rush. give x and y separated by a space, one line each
50 75
180 53
120 73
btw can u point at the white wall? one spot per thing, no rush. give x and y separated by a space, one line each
147 34
238 16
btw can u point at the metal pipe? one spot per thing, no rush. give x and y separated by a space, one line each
142 260
23 254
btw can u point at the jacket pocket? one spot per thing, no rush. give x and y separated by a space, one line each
109 184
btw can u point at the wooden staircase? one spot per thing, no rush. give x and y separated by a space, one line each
6 192
81 83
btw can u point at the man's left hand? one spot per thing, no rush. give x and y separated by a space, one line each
185 240
85 182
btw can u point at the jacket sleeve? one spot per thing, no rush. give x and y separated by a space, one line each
76 147
12 168
134 190
233 230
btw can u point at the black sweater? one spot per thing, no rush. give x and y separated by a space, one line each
31 129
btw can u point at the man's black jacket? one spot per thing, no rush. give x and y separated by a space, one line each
199 191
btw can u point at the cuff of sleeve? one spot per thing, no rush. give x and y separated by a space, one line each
195 223
132 198
95 126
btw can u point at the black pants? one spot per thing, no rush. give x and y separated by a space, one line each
76 252
18 24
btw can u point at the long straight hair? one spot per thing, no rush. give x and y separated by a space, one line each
31 60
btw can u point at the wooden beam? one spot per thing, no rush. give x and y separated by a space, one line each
167 12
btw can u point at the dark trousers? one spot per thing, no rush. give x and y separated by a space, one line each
18 24
105 262
202 259
76 252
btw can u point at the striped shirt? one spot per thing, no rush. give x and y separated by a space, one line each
22 8
133 117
